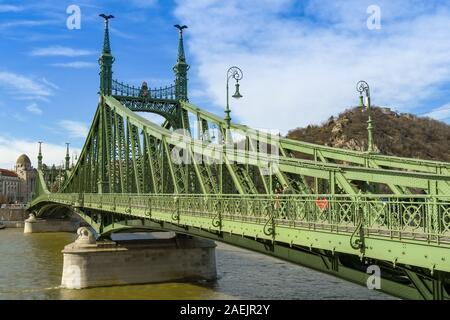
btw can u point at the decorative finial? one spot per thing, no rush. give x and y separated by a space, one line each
181 56
144 92
180 28
106 45
106 60
181 68
105 16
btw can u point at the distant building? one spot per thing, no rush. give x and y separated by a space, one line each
9 186
18 186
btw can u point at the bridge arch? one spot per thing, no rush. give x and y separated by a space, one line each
54 211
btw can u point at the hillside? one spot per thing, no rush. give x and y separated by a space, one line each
395 133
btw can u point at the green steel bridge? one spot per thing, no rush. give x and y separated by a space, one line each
332 210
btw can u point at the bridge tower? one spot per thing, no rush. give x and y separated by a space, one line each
67 158
39 157
106 60
181 68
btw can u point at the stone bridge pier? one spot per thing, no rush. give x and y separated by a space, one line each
37 225
91 263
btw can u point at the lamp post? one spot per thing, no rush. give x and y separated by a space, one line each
363 88
236 73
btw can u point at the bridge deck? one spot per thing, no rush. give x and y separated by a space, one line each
407 230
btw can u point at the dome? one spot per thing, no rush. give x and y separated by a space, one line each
23 160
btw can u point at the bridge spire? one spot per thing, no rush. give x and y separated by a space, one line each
40 156
106 60
67 166
181 68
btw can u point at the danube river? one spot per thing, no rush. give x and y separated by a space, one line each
31 266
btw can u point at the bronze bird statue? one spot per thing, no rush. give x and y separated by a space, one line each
180 27
104 16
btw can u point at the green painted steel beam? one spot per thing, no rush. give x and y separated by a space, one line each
393 245
308 259
356 157
301 167
241 235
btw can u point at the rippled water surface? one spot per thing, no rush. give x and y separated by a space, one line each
31 267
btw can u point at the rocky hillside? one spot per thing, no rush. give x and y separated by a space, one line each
395 133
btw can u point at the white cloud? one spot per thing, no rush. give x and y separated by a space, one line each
54 51
26 23
441 113
19 117
75 65
33 108
10 8
12 148
50 84
24 87
144 3
75 129
300 70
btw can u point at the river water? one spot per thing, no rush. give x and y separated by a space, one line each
31 267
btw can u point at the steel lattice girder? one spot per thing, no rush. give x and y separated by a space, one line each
350 156
127 154
341 174
369 160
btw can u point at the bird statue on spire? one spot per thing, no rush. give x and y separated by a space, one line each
181 68
106 59
180 27
106 17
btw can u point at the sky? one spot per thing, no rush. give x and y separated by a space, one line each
301 61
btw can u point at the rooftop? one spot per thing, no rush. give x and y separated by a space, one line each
24 160
7 173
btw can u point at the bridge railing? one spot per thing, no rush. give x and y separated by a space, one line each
121 89
420 218
424 218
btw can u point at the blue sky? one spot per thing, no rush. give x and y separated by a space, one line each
301 61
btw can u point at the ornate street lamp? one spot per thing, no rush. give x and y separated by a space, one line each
236 73
363 88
